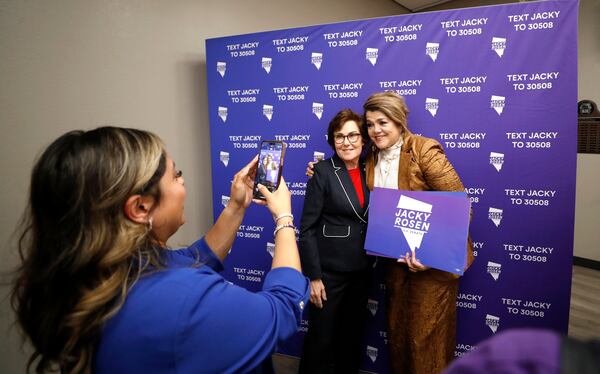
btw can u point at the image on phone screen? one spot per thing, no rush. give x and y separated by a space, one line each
269 166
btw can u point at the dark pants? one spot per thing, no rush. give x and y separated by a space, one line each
334 339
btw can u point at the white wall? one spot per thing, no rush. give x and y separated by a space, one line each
141 63
587 203
73 64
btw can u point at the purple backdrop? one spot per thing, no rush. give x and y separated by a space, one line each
497 86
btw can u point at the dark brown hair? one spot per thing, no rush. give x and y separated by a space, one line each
339 120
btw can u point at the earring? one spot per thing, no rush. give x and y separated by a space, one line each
150 223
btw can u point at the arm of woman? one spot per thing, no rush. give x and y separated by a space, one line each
440 175
221 235
311 214
437 170
223 328
286 249
309 251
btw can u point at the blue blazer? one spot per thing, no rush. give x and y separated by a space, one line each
191 320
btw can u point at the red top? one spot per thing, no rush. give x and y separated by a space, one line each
357 182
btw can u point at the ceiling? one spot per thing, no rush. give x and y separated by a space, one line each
416 5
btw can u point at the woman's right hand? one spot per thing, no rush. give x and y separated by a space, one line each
309 169
280 201
414 265
242 184
317 293
286 248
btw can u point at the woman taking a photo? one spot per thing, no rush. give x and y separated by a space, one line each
99 290
332 236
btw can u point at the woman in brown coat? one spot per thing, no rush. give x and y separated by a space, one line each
421 302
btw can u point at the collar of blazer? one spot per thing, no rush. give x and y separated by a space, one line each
343 178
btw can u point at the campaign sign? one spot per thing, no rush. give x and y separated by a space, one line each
432 224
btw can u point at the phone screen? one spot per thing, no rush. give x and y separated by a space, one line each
270 162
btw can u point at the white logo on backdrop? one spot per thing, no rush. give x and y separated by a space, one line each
432 105
372 54
432 50
494 269
317 109
497 159
223 113
316 59
224 156
372 305
492 322
266 64
372 353
224 200
498 45
271 248
318 156
268 111
497 103
221 67
495 215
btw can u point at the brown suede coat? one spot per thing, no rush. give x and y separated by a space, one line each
421 307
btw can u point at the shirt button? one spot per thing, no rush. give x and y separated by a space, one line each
301 305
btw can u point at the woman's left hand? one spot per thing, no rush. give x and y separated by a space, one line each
242 185
413 264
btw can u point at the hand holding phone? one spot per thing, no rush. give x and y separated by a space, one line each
242 184
270 165
278 201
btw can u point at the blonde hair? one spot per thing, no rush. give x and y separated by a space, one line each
79 253
392 105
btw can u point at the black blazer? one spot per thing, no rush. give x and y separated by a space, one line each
333 226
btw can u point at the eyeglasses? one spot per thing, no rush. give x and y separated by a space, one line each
352 138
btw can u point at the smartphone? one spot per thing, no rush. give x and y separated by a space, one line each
270 164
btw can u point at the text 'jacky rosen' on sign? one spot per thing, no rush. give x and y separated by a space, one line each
432 224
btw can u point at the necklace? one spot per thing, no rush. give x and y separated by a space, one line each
386 160
384 170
